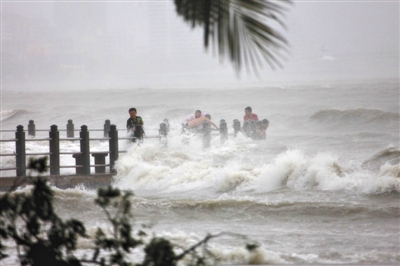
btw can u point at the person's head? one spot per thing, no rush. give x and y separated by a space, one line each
132 112
248 110
197 114
208 116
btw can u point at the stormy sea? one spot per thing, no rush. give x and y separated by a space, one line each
322 188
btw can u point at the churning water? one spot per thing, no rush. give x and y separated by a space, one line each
322 188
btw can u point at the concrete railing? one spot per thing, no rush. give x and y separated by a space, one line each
82 157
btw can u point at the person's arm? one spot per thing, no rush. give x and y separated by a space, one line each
141 120
211 122
195 122
214 125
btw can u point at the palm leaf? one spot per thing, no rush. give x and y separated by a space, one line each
240 29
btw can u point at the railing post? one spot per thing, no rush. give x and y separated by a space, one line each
167 123
163 132
106 128
31 128
20 150
223 130
206 136
54 146
113 147
100 160
78 163
85 150
236 127
70 129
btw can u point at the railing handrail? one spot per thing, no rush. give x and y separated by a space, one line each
70 152
63 139
99 138
83 156
44 130
38 153
60 129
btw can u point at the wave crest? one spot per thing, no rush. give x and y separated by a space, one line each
7 114
389 156
169 171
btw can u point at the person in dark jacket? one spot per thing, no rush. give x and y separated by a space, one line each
134 125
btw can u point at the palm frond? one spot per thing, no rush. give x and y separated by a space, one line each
240 29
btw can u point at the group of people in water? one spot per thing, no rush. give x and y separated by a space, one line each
252 126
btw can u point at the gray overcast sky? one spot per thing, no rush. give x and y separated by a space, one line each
144 44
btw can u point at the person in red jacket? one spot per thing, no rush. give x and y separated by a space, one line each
249 116
249 124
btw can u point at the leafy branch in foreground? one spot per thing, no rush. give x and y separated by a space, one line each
241 29
43 238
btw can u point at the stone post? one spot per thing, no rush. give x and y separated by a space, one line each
236 127
223 130
85 150
54 146
70 129
106 128
113 145
206 135
31 128
20 151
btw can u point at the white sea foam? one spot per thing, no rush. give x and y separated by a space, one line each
149 167
226 254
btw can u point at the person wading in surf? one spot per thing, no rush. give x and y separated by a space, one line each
195 121
134 125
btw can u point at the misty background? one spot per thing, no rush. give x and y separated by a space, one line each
144 44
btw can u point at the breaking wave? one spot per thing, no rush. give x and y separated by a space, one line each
389 156
6 114
167 171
